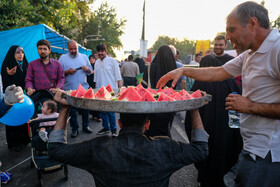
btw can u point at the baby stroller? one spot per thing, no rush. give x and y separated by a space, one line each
39 149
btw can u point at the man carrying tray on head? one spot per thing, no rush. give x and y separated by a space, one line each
131 158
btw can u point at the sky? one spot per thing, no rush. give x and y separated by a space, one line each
189 19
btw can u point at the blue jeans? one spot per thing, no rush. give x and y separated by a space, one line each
108 117
74 118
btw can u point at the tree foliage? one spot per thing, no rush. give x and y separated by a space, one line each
71 18
186 47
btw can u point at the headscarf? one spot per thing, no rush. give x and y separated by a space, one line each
19 77
163 62
141 64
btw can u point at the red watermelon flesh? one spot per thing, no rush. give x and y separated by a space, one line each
185 94
139 86
141 91
80 93
148 97
73 93
177 96
80 87
110 89
103 93
167 91
89 94
123 89
164 97
130 95
196 94
152 91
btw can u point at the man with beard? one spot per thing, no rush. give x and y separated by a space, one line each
107 71
76 67
44 73
220 44
248 29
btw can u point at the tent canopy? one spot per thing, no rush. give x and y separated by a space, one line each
28 37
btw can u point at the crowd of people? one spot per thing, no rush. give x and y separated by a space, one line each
143 153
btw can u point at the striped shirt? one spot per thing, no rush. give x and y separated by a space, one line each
37 79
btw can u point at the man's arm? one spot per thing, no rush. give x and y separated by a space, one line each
78 155
119 83
29 80
61 77
210 74
244 105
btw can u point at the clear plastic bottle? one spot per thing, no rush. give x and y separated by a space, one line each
233 118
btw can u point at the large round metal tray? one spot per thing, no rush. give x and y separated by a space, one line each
137 107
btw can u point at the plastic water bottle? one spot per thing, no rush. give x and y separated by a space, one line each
233 118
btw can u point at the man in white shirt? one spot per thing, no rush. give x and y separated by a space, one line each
107 71
76 67
197 58
248 29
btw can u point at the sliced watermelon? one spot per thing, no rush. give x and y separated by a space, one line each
80 93
196 94
152 91
103 93
89 94
139 86
80 87
177 96
148 97
73 93
166 91
130 95
164 97
123 89
110 89
185 94
141 91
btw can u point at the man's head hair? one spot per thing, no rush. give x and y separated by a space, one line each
177 52
245 11
220 37
133 120
130 57
101 47
52 105
91 56
44 42
197 54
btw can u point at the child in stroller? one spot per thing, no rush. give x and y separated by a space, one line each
49 110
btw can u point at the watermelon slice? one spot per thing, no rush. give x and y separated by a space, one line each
110 89
103 93
139 86
148 97
185 94
166 91
73 93
164 97
130 95
123 89
152 91
80 91
177 96
196 94
141 91
89 94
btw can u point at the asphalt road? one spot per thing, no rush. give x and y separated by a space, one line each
18 163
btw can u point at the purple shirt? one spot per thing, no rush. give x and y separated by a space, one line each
37 79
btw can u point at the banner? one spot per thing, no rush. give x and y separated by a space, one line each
202 46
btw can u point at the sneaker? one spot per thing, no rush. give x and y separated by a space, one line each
114 132
87 130
43 135
103 131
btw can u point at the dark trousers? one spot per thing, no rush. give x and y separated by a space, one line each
74 118
257 172
129 81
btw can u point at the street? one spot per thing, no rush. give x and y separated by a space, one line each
18 163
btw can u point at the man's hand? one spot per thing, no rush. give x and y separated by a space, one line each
58 98
13 95
12 71
70 71
174 75
238 103
196 119
30 91
86 69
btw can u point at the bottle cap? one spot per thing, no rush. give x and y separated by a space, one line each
234 92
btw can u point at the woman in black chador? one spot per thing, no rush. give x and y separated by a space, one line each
224 143
163 62
13 71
